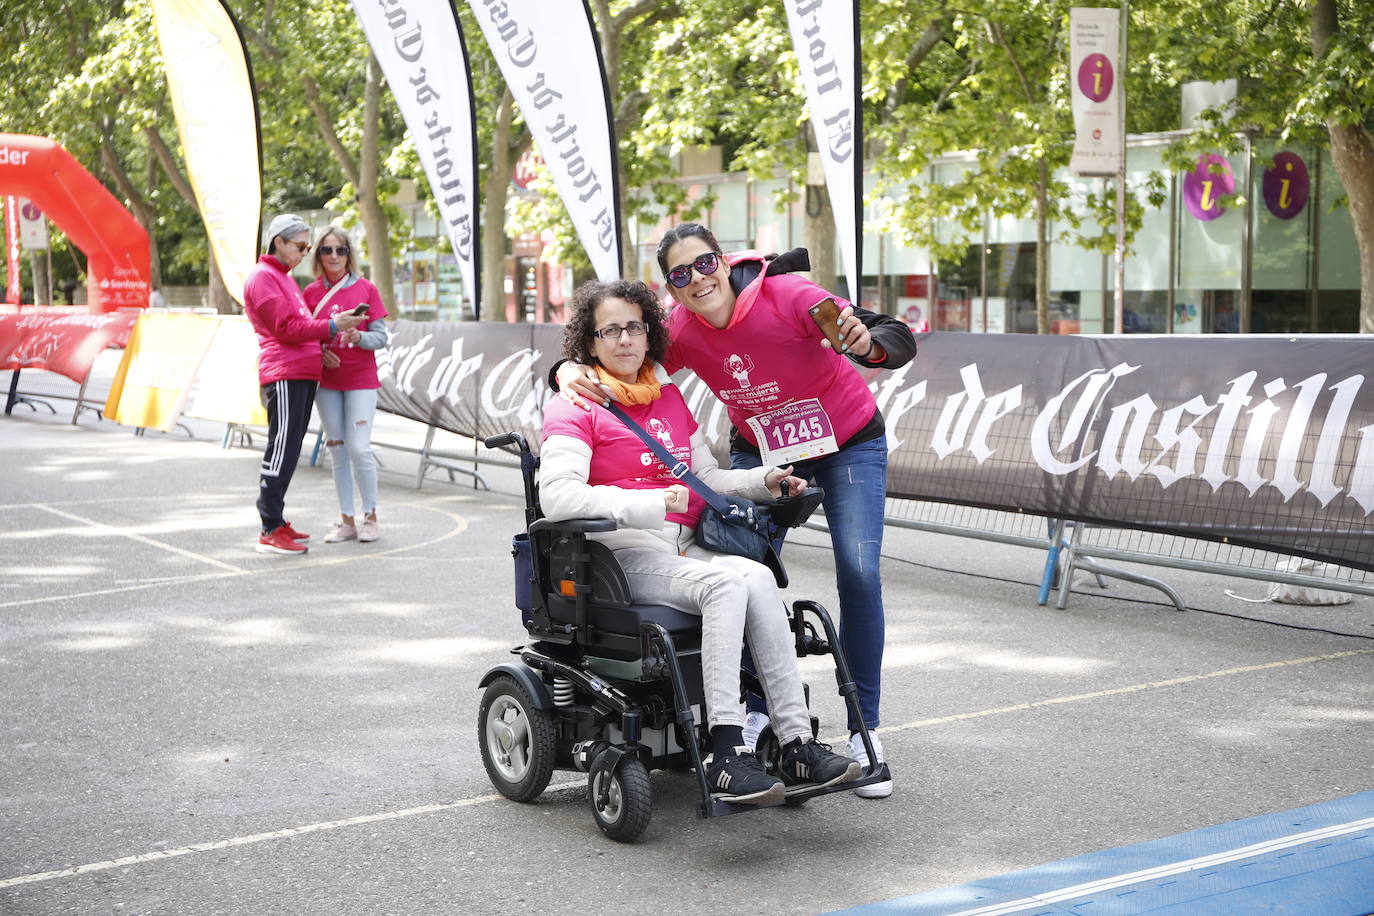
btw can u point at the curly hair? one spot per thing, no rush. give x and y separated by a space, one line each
577 333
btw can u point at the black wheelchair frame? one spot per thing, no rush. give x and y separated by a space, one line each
607 686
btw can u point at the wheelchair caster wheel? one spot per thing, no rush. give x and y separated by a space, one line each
516 739
621 799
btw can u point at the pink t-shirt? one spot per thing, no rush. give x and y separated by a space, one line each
357 367
619 458
770 357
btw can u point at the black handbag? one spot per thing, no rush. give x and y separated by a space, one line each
730 524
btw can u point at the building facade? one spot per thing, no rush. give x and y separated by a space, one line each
1257 241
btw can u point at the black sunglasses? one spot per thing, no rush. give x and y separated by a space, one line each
327 250
705 265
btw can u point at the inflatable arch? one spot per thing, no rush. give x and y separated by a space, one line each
116 246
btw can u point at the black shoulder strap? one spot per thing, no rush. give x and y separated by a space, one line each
678 469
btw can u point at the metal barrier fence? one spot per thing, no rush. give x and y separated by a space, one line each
1082 547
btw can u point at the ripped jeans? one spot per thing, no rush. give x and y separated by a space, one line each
855 484
348 418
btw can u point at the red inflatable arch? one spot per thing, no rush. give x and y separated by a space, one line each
116 246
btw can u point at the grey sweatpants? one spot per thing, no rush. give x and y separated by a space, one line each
737 599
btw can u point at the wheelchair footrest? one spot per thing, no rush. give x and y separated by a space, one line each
720 807
803 792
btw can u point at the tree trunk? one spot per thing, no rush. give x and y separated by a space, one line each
1042 249
369 203
143 212
217 296
42 283
1352 152
820 241
494 213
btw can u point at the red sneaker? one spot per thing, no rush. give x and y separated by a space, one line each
293 534
278 541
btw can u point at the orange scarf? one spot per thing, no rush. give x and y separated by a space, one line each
643 390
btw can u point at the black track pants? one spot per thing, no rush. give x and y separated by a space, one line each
288 404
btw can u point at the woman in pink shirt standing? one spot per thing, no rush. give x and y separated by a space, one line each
347 397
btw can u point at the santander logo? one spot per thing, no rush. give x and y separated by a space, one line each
10 156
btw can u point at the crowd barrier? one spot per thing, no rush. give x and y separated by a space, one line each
1258 443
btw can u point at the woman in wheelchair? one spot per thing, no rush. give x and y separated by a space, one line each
594 466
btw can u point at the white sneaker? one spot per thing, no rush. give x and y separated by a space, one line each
367 531
341 532
754 724
878 789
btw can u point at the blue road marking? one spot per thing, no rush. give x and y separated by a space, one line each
1313 861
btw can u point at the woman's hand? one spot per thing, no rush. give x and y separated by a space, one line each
580 386
675 499
347 321
858 342
353 336
331 359
774 478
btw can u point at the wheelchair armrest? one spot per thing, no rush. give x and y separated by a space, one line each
573 525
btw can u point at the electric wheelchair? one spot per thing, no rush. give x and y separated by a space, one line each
613 688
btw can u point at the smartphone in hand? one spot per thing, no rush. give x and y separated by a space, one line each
362 309
826 314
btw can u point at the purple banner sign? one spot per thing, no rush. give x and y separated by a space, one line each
1286 185
1204 186
1095 77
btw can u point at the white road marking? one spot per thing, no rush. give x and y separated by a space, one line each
260 838
1117 691
124 533
483 799
293 565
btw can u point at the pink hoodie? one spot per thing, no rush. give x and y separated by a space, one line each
769 356
288 338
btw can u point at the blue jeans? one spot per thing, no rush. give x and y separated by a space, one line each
855 484
347 418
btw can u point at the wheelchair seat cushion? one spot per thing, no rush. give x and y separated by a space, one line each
625 621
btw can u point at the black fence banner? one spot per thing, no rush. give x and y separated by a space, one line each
1262 442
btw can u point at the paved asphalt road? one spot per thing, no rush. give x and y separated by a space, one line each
187 726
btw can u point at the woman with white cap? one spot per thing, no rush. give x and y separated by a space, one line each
289 367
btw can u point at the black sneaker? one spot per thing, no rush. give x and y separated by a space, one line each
814 762
740 779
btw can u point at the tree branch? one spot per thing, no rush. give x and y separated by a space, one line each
928 41
372 103
169 165
995 32
121 178
954 84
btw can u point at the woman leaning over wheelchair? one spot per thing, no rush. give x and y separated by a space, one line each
741 323
593 466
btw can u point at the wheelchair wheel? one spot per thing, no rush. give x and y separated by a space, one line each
621 800
516 739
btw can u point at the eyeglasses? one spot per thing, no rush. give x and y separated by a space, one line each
613 331
705 265
327 250
302 247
